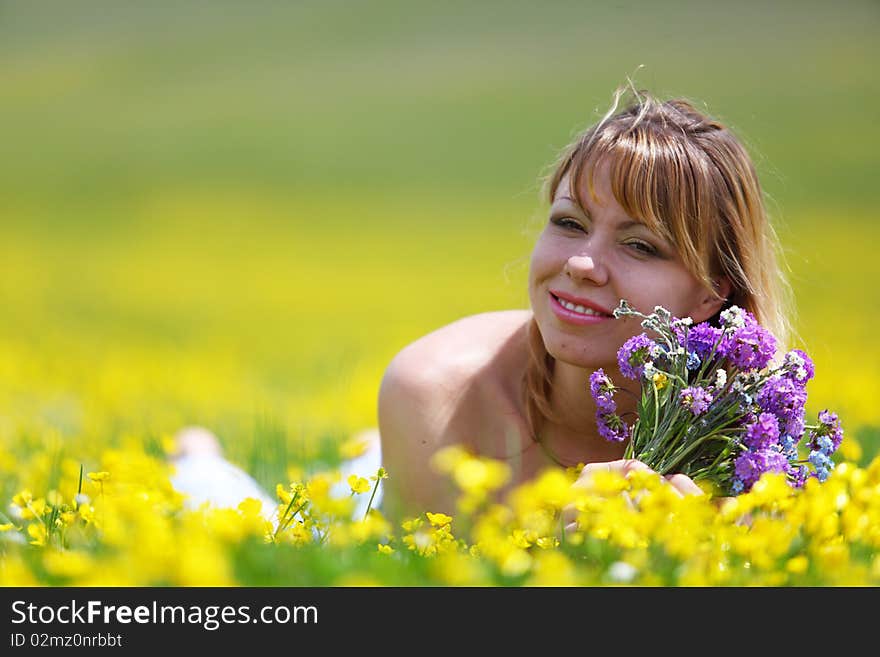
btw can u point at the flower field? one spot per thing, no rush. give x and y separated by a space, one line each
126 526
237 222
93 395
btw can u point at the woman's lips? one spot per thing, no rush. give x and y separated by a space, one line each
572 316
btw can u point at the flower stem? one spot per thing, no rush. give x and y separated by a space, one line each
372 495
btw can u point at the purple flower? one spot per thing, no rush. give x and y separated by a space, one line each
784 398
602 391
762 433
794 426
751 465
749 347
702 338
798 366
798 475
611 427
695 399
634 353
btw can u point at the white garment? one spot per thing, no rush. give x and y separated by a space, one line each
204 476
211 478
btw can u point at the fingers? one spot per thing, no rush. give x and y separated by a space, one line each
683 484
621 466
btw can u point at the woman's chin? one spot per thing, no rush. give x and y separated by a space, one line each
576 358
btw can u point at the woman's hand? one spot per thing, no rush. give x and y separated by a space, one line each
681 484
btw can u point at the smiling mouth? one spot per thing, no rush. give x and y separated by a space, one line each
577 308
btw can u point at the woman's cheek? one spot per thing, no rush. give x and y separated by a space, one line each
541 262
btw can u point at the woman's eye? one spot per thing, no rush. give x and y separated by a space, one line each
565 222
642 247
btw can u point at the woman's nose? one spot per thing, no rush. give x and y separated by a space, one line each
586 268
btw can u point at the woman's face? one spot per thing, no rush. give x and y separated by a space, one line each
593 257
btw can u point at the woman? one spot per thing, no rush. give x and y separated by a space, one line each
657 204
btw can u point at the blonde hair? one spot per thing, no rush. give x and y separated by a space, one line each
690 180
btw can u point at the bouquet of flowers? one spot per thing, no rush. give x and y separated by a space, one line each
711 408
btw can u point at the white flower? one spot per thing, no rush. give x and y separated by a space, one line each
720 378
733 318
662 313
796 364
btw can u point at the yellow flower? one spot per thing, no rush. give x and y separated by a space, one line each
283 494
358 485
411 524
515 563
250 507
99 476
68 563
373 526
28 507
87 513
38 534
352 448
438 519
458 569
23 498
547 542
6 527
797 565
381 473
660 380
552 569
385 549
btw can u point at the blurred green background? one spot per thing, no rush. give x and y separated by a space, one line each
234 214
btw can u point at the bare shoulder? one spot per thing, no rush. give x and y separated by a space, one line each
457 349
426 398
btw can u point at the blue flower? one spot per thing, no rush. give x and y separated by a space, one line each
820 460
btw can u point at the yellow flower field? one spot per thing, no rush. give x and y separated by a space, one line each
236 223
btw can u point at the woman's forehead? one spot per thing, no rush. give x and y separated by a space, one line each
598 174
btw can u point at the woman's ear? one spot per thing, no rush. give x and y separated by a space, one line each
710 304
